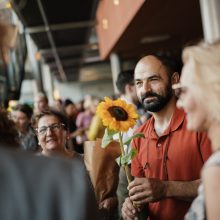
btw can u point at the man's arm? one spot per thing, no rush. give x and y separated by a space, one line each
144 190
183 190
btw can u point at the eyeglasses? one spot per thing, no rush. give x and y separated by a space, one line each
179 89
54 127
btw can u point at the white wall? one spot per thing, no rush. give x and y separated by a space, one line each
28 90
77 91
47 79
73 90
100 84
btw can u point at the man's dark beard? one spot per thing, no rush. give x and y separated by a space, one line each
158 102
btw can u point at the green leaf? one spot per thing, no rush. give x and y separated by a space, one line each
138 135
123 160
108 137
133 153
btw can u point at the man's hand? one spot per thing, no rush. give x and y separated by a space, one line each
144 190
129 211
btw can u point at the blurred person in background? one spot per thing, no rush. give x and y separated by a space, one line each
96 128
70 111
83 122
40 103
53 134
58 105
126 87
199 96
79 106
21 115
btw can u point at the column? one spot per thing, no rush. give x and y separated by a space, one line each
115 68
210 11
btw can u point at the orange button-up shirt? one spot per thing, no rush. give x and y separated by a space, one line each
177 155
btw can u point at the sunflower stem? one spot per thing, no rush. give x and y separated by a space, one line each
126 168
127 172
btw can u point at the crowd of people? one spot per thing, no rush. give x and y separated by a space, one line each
180 122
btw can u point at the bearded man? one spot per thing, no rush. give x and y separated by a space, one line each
167 166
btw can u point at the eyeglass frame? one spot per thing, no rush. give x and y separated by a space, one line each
51 127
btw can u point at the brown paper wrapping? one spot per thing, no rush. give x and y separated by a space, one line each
103 169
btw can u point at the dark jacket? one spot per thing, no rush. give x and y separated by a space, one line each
40 188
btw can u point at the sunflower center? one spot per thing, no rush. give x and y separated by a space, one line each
118 113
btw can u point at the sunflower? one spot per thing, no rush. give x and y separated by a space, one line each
117 115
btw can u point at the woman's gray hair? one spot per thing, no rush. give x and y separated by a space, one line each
206 63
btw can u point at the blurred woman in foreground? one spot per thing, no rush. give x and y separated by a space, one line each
199 96
52 133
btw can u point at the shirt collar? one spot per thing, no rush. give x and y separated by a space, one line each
176 121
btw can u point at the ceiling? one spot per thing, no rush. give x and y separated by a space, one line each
65 33
163 26
158 26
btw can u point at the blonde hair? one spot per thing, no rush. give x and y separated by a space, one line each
206 62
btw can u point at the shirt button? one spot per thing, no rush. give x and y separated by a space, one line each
159 145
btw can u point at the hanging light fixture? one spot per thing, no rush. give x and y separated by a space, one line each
105 23
116 2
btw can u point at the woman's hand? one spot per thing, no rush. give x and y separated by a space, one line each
109 203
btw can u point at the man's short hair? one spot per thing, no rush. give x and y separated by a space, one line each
124 78
172 64
67 102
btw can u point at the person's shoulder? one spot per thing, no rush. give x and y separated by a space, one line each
48 169
26 163
78 157
37 162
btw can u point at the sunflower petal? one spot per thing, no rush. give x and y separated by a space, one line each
109 117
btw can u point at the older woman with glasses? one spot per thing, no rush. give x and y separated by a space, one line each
199 96
52 132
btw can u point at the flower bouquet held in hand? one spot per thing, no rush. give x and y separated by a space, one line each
118 117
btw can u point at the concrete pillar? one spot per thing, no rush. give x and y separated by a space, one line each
48 82
210 11
115 68
39 78
35 64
